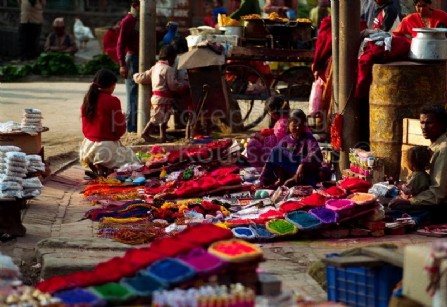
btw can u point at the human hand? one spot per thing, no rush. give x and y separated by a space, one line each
291 181
123 71
278 183
404 196
299 174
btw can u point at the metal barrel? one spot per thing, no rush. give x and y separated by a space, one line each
399 90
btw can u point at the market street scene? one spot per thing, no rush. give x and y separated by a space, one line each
223 153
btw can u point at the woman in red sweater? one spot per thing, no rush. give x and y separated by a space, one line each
103 124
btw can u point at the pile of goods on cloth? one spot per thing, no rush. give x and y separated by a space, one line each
197 185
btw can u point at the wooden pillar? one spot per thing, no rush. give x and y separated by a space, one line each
349 34
146 59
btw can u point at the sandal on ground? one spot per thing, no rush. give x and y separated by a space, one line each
5 237
91 174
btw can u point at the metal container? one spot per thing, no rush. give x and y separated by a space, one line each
429 44
232 30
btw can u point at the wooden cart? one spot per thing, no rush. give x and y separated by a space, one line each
250 87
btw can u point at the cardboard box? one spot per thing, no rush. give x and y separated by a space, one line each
200 57
30 144
415 278
412 133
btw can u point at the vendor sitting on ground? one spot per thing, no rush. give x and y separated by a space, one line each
296 160
261 143
59 40
433 120
103 124
164 82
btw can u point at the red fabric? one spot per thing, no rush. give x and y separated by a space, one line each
372 54
291 205
109 271
323 47
154 190
204 234
220 144
109 42
333 192
224 171
414 21
336 131
229 180
188 188
355 184
171 247
209 21
128 39
141 257
114 269
207 183
267 131
53 284
271 214
314 200
162 94
109 122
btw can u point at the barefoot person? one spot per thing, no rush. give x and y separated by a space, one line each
164 82
103 124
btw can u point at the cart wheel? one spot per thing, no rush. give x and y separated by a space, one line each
295 83
249 88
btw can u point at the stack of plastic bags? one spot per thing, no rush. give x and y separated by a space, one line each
12 171
32 121
34 164
31 187
9 272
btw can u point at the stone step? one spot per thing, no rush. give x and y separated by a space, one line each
62 256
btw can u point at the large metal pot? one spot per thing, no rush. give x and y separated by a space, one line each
429 44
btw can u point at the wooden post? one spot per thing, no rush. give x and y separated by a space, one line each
146 58
335 6
349 34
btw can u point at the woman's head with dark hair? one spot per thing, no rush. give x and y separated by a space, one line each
277 106
300 114
418 158
103 81
105 78
433 119
423 8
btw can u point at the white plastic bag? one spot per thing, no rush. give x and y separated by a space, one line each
316 96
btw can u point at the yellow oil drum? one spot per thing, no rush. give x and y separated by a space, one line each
398 91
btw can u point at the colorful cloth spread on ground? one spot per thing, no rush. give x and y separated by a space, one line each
165 206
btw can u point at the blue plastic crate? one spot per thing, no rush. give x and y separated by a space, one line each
362 286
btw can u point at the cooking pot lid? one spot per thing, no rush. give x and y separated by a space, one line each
430 30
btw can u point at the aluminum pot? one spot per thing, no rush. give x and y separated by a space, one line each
429 44
232 30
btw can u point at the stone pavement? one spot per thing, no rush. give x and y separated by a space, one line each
63 243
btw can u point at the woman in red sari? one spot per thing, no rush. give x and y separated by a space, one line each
425 17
